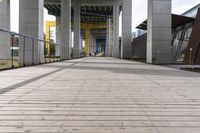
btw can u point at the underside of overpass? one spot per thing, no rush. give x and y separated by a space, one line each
97 21
93 20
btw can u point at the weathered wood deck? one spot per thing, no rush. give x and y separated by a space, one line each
99 95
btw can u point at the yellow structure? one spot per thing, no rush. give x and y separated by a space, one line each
86 27
49 24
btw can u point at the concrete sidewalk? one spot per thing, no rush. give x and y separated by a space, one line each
99 95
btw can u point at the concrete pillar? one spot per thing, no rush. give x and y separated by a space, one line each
95 44
31 21
58 35
109 37
77 31
92 43
126 29
87 42
66 29
5 52
159 32
115 52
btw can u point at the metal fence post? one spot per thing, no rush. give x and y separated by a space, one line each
40 43
32 51
54 52
12 53
24 52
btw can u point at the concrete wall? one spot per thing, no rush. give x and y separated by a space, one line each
31 23
159 32
5 52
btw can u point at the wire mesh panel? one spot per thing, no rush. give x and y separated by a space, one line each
5 50
14 51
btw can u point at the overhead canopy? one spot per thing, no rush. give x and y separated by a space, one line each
177 20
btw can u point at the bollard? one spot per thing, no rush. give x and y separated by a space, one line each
158 55
190 58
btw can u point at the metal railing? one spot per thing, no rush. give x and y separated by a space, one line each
19 50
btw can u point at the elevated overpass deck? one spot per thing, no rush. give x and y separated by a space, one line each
99 95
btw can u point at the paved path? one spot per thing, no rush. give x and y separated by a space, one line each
99 95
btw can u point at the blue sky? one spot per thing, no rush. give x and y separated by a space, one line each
139 11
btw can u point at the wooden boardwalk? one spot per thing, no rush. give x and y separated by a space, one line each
99 95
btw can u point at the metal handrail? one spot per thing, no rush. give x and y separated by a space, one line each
48 58
27 36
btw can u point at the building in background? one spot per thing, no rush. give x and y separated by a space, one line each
185 43
138 32
192 12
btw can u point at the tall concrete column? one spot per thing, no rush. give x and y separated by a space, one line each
31 21
58 35
66 29
5 52
77 31
115 52
87 42
92 43
109 37
95 44
126 29
159 32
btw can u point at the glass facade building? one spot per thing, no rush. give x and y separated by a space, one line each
180 40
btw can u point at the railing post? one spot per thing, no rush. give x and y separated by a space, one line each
24 43
54 53
12 52
50 52
45 54
39 58
32 51
58 52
